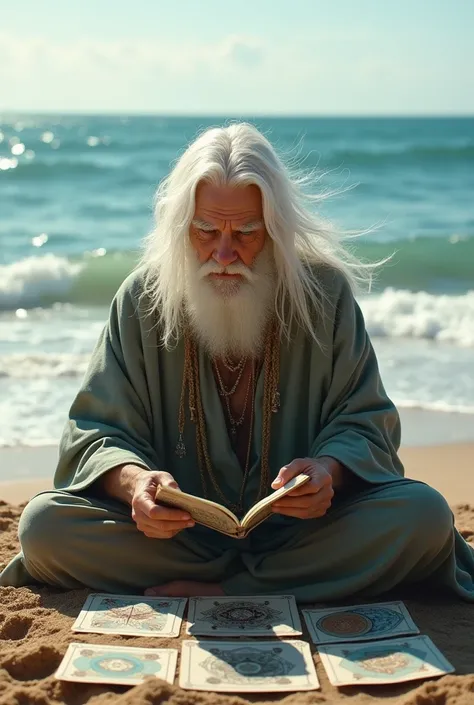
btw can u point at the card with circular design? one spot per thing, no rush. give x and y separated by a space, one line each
121 665
381 662
247 666
243 616
359 622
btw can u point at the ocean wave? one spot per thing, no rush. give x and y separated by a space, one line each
434 264
437 406
87 155
406 314
38 169
397 310
37 281
43 365
417 153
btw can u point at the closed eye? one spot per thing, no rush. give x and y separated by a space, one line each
247 235
206 235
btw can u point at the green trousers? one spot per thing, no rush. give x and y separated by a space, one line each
366 544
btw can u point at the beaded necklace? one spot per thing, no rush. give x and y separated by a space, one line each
271 404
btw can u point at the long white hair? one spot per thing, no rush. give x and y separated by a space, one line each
239 155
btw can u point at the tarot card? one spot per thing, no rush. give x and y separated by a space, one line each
135 616
391 661
247 666
243 616
359 623
121 665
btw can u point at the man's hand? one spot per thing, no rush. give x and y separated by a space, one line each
154 520
313 499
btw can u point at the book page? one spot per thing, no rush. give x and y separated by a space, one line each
203 511
263 509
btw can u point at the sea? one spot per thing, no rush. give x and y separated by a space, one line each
76 195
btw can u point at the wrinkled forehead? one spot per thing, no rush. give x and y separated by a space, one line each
236 203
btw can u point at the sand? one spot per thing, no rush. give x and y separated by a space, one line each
35 623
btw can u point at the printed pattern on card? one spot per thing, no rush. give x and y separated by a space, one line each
359 623
92 663
390 661
135 616
243 616
241 666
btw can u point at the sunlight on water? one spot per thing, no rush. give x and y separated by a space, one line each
47 137
77 196
18 149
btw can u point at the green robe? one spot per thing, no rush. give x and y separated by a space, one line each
332 404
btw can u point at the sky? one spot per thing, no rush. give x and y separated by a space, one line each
240 57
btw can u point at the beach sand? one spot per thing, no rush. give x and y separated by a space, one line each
35 623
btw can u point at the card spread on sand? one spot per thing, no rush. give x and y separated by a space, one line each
243 616
242 666
359 623
120 665
135 616
391 661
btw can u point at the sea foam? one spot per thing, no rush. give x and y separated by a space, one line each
28 282
405 314
43 365
393 313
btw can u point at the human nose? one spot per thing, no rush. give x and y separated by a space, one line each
224 252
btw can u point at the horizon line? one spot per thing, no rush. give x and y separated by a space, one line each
231 116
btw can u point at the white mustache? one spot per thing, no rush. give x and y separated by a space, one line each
212 267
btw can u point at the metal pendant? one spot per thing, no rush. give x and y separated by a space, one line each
180 449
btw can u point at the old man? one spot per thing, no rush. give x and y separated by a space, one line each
235 357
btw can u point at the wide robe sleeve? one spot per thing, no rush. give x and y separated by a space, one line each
110 420
360 426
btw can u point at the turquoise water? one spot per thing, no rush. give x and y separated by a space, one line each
88 183
75 201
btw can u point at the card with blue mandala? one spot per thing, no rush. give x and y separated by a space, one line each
247 667
243 616
391 661
120 665
359 622
129 615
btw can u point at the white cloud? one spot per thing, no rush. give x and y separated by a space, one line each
25 54
325 72
242 51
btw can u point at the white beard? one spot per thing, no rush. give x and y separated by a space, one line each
230 317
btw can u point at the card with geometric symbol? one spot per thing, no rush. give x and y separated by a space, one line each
133 616
359 622
379 662
243 616
247 666
120 665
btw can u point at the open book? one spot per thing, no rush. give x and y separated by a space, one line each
217 517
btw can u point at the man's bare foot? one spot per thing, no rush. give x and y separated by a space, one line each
185 588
